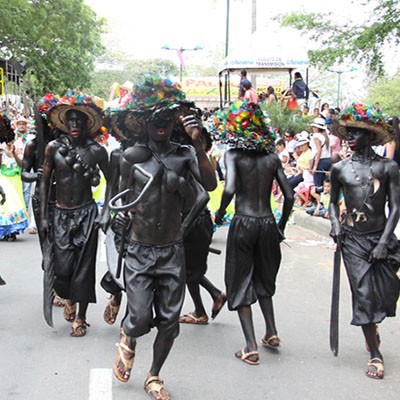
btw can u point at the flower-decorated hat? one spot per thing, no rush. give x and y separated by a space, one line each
124 124
360 115
46 102
78 101
156 92
246 127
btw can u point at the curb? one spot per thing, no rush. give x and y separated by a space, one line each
319 225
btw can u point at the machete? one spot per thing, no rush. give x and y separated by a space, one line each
334 326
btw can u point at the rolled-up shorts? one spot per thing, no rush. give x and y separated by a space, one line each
197 243
155 288
75 250
253 258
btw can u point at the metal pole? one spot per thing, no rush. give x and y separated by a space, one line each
227 28
338 89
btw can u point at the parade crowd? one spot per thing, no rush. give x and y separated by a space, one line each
177 174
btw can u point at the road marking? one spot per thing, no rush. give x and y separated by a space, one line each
101 255
100 384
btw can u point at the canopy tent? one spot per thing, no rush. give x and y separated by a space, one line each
261 58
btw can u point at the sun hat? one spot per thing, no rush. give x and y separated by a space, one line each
20 118
300 142
244 126
319 123
364 116
78 101
302 135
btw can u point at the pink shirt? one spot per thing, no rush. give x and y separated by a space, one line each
335 144
251 95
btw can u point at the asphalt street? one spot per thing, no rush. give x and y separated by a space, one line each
38 362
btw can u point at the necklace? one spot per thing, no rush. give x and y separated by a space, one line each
370 178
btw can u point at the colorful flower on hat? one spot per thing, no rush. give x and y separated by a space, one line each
154 92
364 113
46 102
245 126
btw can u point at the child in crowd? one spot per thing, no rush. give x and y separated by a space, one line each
321 208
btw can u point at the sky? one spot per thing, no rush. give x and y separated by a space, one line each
141 28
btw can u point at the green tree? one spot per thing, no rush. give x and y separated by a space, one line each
285 120
57 41
341 42
121 69
386 92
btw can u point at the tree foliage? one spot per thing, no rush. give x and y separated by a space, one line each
341 42
56 41
120 68
285 120
386 92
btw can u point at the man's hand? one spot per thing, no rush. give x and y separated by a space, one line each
337 236
39 174
103 220
121 222
219 216
192 127
44 226
378 253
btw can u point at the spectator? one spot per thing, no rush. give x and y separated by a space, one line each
306 111
304 162
282 152
321 151
271 96
300 89
290 142
289 100
250 94
243 80
321 209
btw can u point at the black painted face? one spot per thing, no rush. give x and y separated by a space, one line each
77 123
358 138
161 124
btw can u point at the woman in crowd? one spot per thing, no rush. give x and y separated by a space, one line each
320 150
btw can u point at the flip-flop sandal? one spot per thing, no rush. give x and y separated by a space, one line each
154 387
69 312
127 363
218 304
273 342
377 364
192 319
242 355
111 312
78 328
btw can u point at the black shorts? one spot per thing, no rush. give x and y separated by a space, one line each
253 258
197 243
75 249
155 288
375 287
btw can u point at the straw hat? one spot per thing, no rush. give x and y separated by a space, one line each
21 118
364 116
77 101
